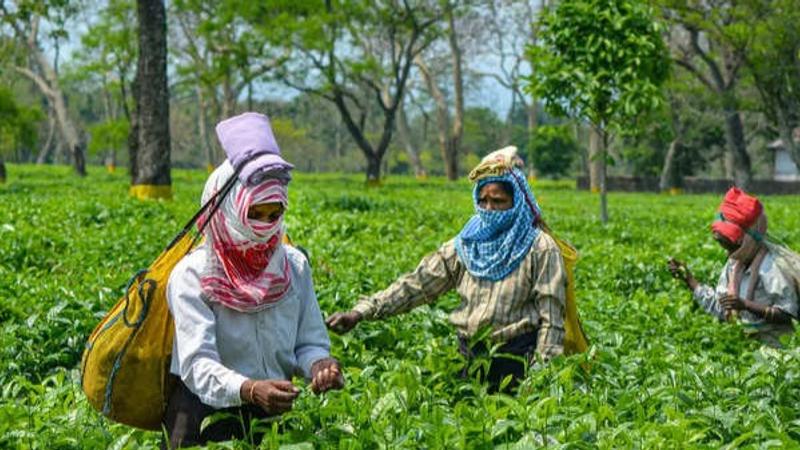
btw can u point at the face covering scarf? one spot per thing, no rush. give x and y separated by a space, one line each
247 268
493 243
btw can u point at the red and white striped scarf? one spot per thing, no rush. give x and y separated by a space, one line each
248 269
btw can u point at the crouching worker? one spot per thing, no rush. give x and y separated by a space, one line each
759 281
507 270
245 311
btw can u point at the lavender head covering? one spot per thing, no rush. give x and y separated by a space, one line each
248 139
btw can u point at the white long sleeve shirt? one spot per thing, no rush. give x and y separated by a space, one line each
773 289
217 348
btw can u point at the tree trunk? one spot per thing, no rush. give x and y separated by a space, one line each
59 152
734 137
2 170
45 77
133 132
668 177
111 161
506 135
532 118
228 100
449 138
44 152
337 146
722 79
250 96
404 132
48 84
451 163
69 133
580 138
203 130
152 162
447 157
603 190
454 142
788 133
373 169
375 155
596 160
442 119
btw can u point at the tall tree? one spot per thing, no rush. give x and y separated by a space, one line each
24 20
691 127
600 61
106 58
357 55
710 40
512 25
409 142
450 126
221 56
774 61
151 178
220 52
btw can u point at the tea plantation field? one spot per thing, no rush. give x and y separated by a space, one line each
661 374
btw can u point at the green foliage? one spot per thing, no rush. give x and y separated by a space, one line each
111 135
18 124
357 55
600 60
220 50
702 139
110 43
296 145
774 61
552 150
482 132
661 374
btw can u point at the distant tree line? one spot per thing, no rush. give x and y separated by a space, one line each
399 87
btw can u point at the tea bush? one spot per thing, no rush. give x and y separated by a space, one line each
660 373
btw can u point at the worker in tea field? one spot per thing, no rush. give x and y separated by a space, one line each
759 281
508 271
245 311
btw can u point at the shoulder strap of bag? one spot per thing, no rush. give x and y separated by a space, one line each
146 287
214 203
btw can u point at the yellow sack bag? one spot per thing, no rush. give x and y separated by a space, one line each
125 365
575 340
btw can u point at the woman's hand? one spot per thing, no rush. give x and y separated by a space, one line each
326 375
771 314
342 322
273 396
732 303
680 271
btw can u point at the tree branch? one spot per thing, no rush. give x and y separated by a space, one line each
696 72
305 89
40 82
712 65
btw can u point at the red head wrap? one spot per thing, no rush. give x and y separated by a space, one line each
737 213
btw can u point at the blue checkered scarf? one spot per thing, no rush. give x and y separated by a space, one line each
493 243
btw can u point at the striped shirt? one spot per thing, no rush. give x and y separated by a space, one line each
530 299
